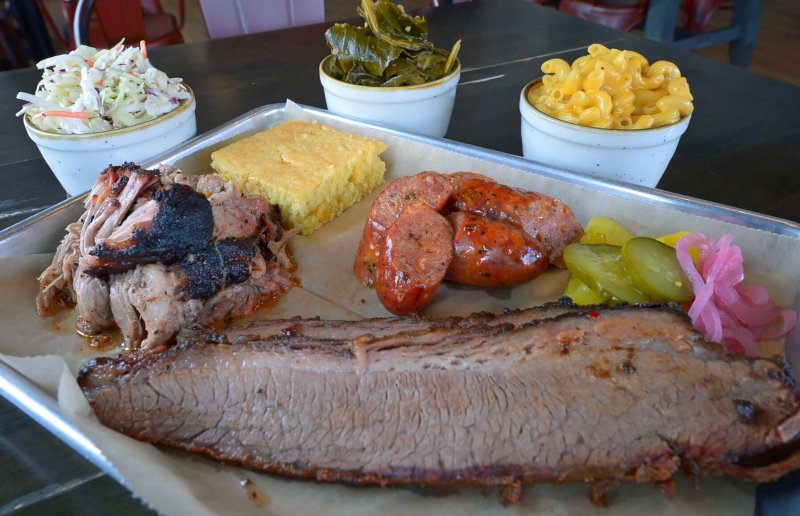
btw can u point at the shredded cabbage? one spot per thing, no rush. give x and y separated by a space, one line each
105 89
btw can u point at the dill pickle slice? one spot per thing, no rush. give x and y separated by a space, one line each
655 270
581 294
602 230
599 266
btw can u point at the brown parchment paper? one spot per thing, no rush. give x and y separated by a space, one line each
47 351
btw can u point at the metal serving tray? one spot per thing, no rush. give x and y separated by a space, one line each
42 232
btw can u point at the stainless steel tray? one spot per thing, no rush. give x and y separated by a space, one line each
48 226
42 232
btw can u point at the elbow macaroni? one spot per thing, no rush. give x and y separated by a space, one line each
612 89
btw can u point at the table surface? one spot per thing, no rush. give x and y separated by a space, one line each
740 150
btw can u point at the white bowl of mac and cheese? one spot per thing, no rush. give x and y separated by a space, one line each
609 114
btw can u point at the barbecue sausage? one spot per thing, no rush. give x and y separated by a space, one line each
460 178
429 188
544 218
417 252
492 253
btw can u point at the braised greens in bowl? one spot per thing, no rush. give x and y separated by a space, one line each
390 49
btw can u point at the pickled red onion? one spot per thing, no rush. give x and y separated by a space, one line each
725 311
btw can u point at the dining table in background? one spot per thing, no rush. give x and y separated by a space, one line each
742 149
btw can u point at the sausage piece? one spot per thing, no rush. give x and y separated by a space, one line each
544 218
429 188
461 178
492 253
418 250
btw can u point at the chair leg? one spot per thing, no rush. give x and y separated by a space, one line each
747 18
661 20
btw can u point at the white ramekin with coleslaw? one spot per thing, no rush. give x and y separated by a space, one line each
95 107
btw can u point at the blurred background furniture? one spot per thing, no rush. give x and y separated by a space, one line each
60 36
628 14
437 3
741 35
685 23
225 18
699 12
659 19
103 23
12 54
23 34
622 15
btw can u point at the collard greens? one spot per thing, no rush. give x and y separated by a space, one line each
391 49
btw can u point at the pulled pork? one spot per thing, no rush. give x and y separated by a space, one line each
158 250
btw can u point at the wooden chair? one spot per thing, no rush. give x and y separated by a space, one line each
134 20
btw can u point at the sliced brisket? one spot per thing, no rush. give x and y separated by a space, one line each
386 326
624 394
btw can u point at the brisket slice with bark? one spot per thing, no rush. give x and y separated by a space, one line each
386 326
598 396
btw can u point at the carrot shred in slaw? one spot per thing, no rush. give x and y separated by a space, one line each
725 311
66 114
143 48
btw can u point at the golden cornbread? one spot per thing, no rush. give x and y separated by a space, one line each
312 172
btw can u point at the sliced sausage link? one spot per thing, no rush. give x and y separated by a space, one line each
369 252
417 253
459 179
492 253
542 217
429 188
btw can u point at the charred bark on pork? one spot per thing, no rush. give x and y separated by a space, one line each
156 250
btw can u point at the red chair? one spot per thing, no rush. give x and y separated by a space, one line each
619 14
699 13
437 3
133 20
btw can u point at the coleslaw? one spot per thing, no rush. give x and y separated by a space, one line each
90 91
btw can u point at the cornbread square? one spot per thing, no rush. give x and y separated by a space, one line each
312 172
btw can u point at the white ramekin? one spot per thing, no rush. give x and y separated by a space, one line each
77 159
423 108
633 156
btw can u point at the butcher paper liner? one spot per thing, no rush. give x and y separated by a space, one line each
49 353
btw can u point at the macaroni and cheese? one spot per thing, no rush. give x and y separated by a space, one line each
612 89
